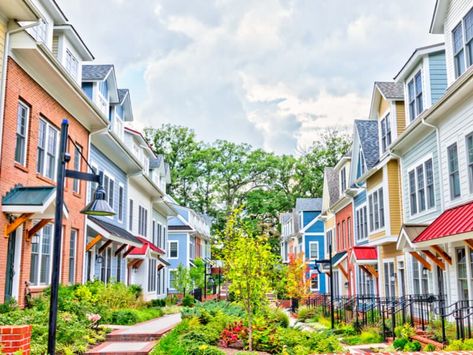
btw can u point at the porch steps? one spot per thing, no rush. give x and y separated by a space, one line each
138 339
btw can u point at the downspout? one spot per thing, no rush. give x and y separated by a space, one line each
439 160
3 80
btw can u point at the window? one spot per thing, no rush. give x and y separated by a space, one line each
106 266
330 241
314 280
173 250
343 180
453 172
365 284
412 192
414 91
152 275
389 281
343 235
46 164
72 64
469 155
41 250
361 163
120 202
314 250
172 278
429 182
468 20
376 207
103 88
385 133
21 133
420 188
119 268
154 232
77 167
419 278
142 221
462 274
458 50
361 224
130 215
72 256
109 186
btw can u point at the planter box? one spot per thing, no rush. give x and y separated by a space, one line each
15 339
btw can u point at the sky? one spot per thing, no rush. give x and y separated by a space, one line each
272 73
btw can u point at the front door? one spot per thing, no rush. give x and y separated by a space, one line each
10 272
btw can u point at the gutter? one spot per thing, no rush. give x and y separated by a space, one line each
3 80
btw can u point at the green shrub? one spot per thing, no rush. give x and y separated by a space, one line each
429 348
459 345
399 343
305 313
158 303
277 317
404 331
188 301
412 346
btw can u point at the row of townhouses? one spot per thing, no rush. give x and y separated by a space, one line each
47 74
398 208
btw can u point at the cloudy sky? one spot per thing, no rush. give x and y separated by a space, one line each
271 73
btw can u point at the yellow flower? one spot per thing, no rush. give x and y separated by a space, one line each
203 347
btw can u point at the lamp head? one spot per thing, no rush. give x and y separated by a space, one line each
99 205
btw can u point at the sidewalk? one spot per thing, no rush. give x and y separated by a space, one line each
137 339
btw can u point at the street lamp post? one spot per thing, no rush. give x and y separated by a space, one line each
97 207
329 261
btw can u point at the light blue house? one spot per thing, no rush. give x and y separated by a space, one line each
188 239
311 237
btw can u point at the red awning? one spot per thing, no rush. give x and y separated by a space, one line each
365 253
456 220
143 249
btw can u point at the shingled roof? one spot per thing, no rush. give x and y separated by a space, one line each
95 72
332 180
121 94
369 140
308 204
390 89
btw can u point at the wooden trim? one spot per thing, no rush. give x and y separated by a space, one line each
104 246
372 270
13 226
128 252
135 264
119 250
469 242
94 241
420 259
442 253
343 270
38 227
436 260
160 266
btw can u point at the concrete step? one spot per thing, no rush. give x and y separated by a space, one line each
123 348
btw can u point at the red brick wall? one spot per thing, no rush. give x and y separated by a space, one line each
21 86
15 338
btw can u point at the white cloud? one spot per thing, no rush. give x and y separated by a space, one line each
267 72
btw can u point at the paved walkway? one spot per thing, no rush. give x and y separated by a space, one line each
137 339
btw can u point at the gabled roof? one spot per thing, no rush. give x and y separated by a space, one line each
146 244
415 58
438 18
96 71
122 93
332 180
368 134
30 196
365 253
390 90
284 217
124 100
308 204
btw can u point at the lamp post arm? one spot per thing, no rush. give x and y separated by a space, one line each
73 174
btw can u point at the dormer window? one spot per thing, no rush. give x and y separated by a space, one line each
72 64
103 88
414 88
386 133
40 32
462 41
361 163
343 180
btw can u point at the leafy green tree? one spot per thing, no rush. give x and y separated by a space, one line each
182 281
248 262
196 273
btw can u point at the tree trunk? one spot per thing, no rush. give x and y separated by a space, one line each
250 332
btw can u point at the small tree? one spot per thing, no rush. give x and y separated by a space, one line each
197 273
297 284
182 282
248 262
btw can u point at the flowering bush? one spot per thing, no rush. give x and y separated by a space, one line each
233 334
94 318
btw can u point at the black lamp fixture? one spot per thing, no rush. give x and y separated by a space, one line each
97 207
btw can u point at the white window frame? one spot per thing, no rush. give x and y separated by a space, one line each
46 152
463 52
171 286
385 133
415 100
414 169
71 63
452 173
378 191
469 163
152 271
74 257
131 206
76 183
310 250
317 278
40 256
24 158
143 214
343 180
358 212
170 249
122 202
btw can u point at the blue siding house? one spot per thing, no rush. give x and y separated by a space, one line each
313 241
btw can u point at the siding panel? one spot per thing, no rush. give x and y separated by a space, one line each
438 76
394 197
